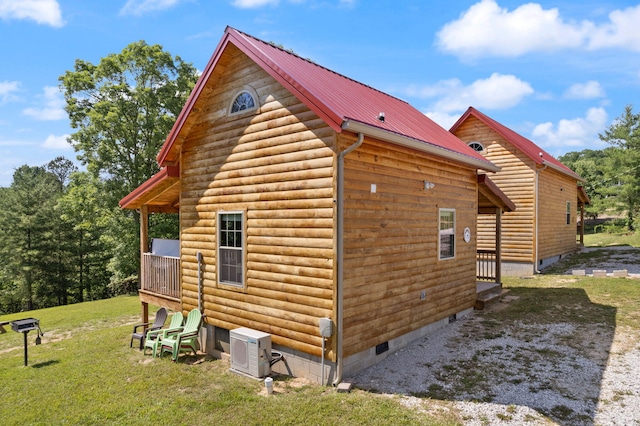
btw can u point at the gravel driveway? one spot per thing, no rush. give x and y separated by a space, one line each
515 372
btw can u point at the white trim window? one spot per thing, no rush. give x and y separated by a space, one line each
244 100
447 234
476 146
231 248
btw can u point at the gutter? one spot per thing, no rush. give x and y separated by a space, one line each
537 194
340 249
570 173
419 145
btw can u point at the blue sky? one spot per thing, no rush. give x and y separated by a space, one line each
557 72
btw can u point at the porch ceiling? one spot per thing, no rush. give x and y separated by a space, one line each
583 198
491 197
160 193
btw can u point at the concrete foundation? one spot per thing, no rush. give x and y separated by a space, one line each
215 342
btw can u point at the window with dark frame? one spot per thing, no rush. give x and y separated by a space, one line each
230 248
476 146
243 102
447 233
568 212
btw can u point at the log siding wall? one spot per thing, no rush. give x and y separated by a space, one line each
517 180
555 235
277 166
391 243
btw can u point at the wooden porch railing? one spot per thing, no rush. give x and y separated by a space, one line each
161 275
486 265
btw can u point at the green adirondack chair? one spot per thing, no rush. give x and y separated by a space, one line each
185 340
153 337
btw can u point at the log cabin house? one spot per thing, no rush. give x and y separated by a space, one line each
548 197
305 195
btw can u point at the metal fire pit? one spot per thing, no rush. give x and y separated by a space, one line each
24 326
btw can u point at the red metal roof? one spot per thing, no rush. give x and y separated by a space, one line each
334 97
533 151
166 177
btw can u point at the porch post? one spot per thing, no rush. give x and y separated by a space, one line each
499 245
144 238
582 224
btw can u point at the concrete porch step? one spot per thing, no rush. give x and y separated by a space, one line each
486 299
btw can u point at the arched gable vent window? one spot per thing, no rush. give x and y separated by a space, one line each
245 100
476 146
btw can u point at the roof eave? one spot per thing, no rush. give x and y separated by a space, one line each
569 172
419 145
166 148
131 200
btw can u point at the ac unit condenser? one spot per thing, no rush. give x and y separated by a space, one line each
250 352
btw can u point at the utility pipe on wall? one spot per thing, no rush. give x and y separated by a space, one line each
340 248
537 218
199 257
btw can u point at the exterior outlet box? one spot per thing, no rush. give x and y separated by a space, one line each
326 327
423 295
250 352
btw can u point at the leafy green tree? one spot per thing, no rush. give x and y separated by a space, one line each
83 211
25 216
624 163
590 165
123 108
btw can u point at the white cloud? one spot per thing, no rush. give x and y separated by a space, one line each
53 108
580 133
443 119
140 7
45 12
499 91
7 90
589 90
621 31
486 29
56 142
250 4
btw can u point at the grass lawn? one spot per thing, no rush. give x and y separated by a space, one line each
85 373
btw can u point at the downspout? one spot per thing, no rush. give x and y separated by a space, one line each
340 249
199 258
537 195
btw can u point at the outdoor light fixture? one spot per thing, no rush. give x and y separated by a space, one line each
429 185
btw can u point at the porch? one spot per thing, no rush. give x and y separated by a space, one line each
159 282
491 201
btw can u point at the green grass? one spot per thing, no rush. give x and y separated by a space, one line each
605 239
85 373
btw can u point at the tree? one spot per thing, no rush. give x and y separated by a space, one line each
590 165
624 164
123 108
25 214
82 210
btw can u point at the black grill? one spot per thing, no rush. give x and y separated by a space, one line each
24 326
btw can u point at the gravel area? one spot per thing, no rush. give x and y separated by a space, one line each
517 373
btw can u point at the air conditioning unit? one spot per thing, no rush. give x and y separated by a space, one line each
250 352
